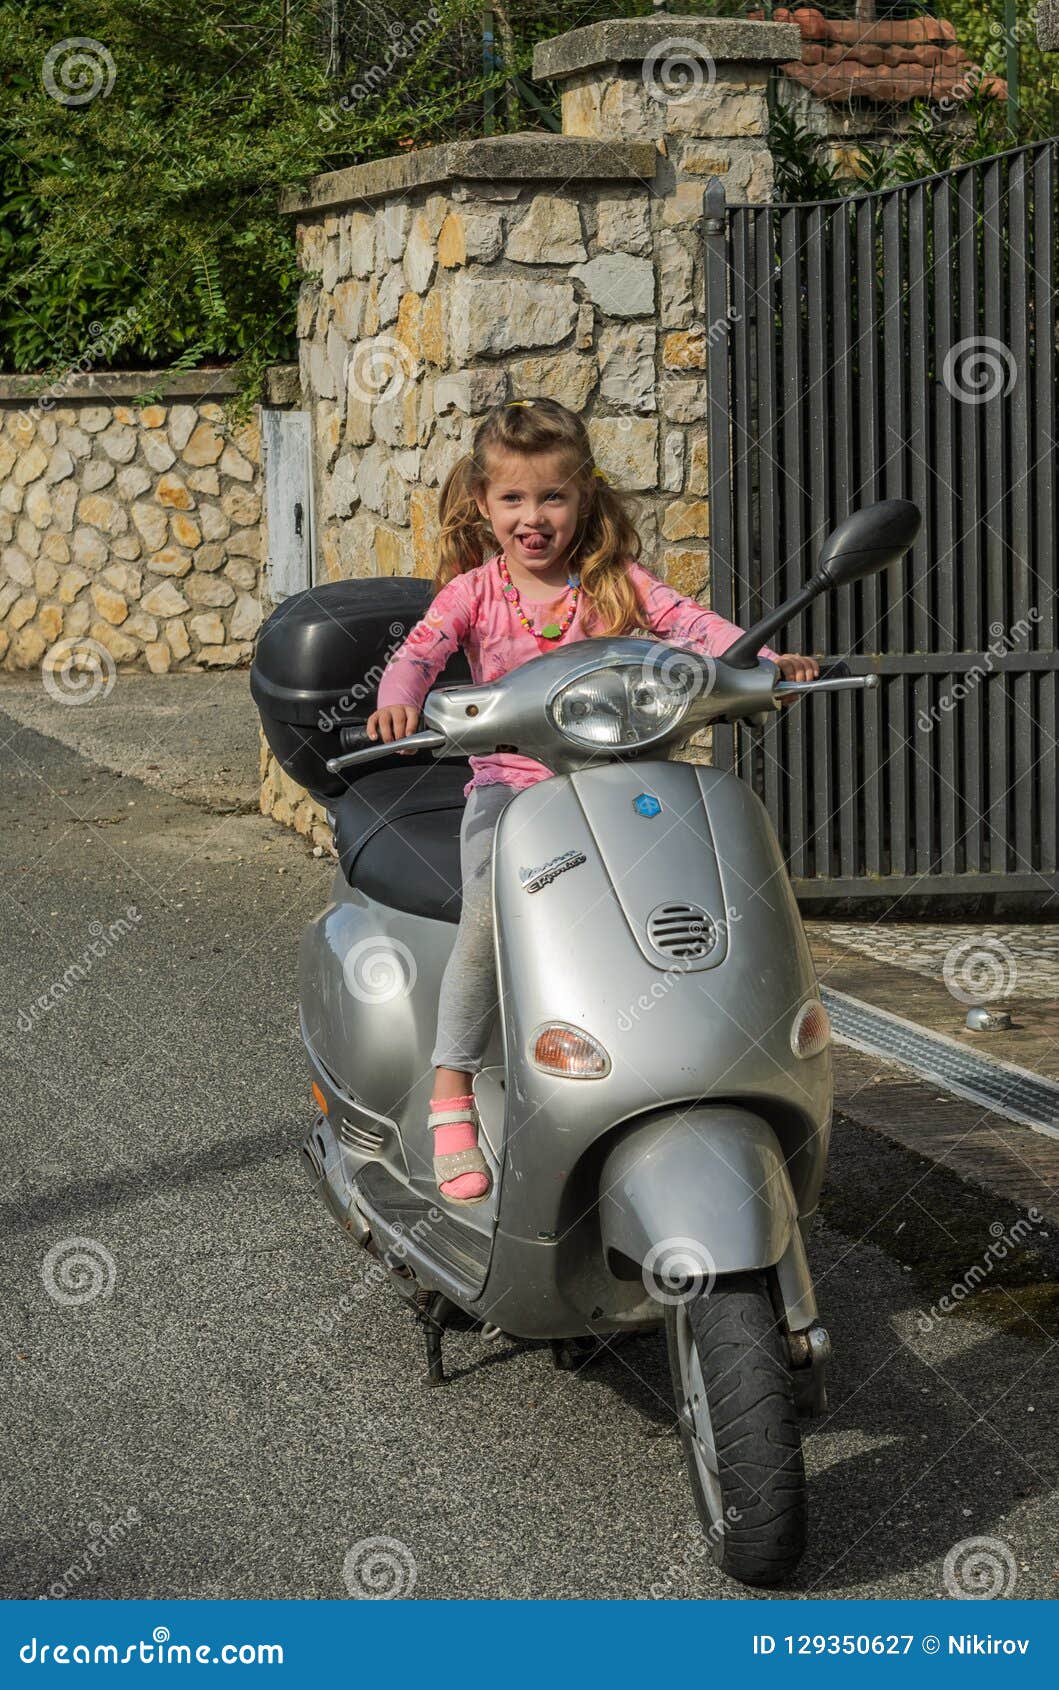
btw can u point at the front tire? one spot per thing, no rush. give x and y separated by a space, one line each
739 1428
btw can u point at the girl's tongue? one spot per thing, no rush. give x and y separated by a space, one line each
535 543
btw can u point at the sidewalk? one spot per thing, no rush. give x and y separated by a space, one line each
193 736
914 971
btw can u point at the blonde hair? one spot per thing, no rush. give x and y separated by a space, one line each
606 534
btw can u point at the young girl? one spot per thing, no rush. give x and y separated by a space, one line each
565 570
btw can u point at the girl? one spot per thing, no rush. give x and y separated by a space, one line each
565 570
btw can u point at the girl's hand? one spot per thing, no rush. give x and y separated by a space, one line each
396 721
792 667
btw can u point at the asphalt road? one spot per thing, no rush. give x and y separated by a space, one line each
215 1423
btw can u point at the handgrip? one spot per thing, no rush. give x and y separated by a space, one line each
427 740
353 736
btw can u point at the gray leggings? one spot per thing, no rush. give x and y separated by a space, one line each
468 999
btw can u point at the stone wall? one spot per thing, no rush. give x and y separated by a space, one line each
135 529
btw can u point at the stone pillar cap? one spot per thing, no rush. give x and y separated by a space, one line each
527 156
628 40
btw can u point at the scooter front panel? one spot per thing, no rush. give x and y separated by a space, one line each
569 954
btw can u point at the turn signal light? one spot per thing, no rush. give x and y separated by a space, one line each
318 1098
560 1049
811 1031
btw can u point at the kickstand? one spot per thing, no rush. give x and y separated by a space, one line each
432 1331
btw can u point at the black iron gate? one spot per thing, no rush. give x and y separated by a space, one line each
898 344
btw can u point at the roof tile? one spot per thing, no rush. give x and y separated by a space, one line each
892 60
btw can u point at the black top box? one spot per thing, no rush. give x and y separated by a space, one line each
318 664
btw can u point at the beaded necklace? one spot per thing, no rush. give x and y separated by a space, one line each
551 630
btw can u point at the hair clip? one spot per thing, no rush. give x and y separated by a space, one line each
597 471
520 401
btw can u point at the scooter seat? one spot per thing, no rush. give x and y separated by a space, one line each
398 838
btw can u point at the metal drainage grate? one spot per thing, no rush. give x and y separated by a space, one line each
681 930
998 1086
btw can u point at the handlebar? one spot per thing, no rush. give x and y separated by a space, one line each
358 748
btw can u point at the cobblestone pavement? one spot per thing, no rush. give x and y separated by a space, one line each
996 961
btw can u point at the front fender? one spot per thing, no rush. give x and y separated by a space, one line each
713 1175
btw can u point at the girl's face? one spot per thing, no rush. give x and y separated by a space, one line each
532 504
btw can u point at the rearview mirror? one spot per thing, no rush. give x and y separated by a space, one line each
867 540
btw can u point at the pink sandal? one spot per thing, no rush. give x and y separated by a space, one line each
458 1160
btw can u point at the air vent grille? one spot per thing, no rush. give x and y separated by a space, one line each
682 931
360 1137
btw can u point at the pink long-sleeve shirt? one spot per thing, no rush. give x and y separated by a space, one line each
473 612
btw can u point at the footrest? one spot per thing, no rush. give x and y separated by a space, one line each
405 1219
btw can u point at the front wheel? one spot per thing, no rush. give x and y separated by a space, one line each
739 1428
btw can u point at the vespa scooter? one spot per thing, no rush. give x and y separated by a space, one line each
656 1100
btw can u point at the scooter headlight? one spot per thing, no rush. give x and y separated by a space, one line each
625 704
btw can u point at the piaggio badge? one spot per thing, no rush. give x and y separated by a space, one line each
646 804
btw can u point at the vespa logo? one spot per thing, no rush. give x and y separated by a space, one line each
534 878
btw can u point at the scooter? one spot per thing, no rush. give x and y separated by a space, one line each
655 1103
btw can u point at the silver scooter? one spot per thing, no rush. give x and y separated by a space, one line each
656 1099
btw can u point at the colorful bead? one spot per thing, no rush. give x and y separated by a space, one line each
551 630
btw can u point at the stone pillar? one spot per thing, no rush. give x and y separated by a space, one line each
696 89
1048 26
